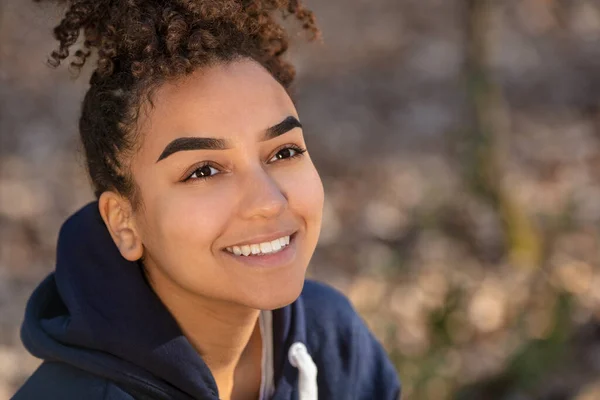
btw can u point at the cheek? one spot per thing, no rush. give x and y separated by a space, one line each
304 191
192 218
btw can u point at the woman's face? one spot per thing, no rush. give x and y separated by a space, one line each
221 170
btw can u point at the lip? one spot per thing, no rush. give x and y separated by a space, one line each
263 238
280 259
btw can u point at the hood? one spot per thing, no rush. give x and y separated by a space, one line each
98 313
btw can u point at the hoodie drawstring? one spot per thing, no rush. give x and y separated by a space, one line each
307 371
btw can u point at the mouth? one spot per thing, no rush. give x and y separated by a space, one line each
262 249
283 257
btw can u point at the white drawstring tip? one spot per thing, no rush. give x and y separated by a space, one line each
307 371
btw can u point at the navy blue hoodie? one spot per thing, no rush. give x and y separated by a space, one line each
104 334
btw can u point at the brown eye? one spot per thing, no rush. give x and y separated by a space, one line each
287 153
204 172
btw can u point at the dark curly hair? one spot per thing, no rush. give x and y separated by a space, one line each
143 43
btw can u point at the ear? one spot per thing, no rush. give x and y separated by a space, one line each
117 214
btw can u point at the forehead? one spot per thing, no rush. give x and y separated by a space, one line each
234 101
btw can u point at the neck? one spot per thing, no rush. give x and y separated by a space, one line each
226 335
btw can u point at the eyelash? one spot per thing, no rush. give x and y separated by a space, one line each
299 152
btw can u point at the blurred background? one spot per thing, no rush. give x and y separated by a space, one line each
459 145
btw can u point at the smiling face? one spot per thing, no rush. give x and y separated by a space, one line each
221 170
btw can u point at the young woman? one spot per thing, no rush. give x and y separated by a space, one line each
185 279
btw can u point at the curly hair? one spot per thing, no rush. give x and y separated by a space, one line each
143 43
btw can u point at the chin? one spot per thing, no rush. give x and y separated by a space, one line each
277 295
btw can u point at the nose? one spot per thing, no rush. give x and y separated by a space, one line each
263 198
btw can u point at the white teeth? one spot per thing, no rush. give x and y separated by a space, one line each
246 250
266 247
260 248
276 245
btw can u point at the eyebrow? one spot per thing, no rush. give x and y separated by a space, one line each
207 143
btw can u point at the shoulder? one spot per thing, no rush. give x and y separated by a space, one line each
351 362
331 320
328 311
60 381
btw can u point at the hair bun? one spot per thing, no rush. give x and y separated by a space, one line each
168 38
